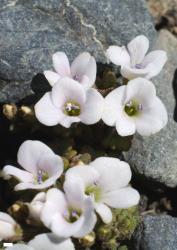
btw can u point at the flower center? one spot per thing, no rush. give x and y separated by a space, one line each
71 215
94 190
72 108
42 176
132 108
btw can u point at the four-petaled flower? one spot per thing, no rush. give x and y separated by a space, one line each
135 107
106 180
45 242
42 166
133 59
70 215
83 69
67 103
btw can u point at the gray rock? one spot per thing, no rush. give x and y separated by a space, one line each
32 30
155 157
156 233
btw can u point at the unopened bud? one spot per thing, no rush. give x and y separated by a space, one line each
10 111
88 240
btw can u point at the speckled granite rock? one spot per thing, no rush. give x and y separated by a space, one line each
32 30
156 233
155 157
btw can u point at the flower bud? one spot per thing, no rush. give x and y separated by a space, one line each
88 240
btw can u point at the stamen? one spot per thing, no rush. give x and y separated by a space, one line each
140 107
39 176
139 66
76 78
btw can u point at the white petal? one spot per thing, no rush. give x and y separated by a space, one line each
89 219
111 106
153 119
130 72
61 64
51 77
118 55
84 64
20 247
21 175
7 226
52 164
35 207
66 90
74 190
55 202
104 212
67 121
138 48
141 90
46 112
125 125
93 108
85 82
62 228
87 174
156 59
50 241
122 198
30 152
114 173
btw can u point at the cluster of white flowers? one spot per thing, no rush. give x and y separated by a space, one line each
92 189
87 190
130 108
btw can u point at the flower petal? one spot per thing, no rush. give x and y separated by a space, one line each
62 228
46 112
122 198
67 89
111 106
156 59
36 205
130 73
118 55
137 49
114 173
7 226
152 120
89 219
125 125
52 164
74 190
55 202
20 247
104 211
30 153
51 77
50 241
86 173
141 90
67 121
84 64
61 64
21 175
93 108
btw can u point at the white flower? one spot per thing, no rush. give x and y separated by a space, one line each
8 227
133 59
67 216
45 242
42 166
83 69
68 102
106 181
135 107
36 205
